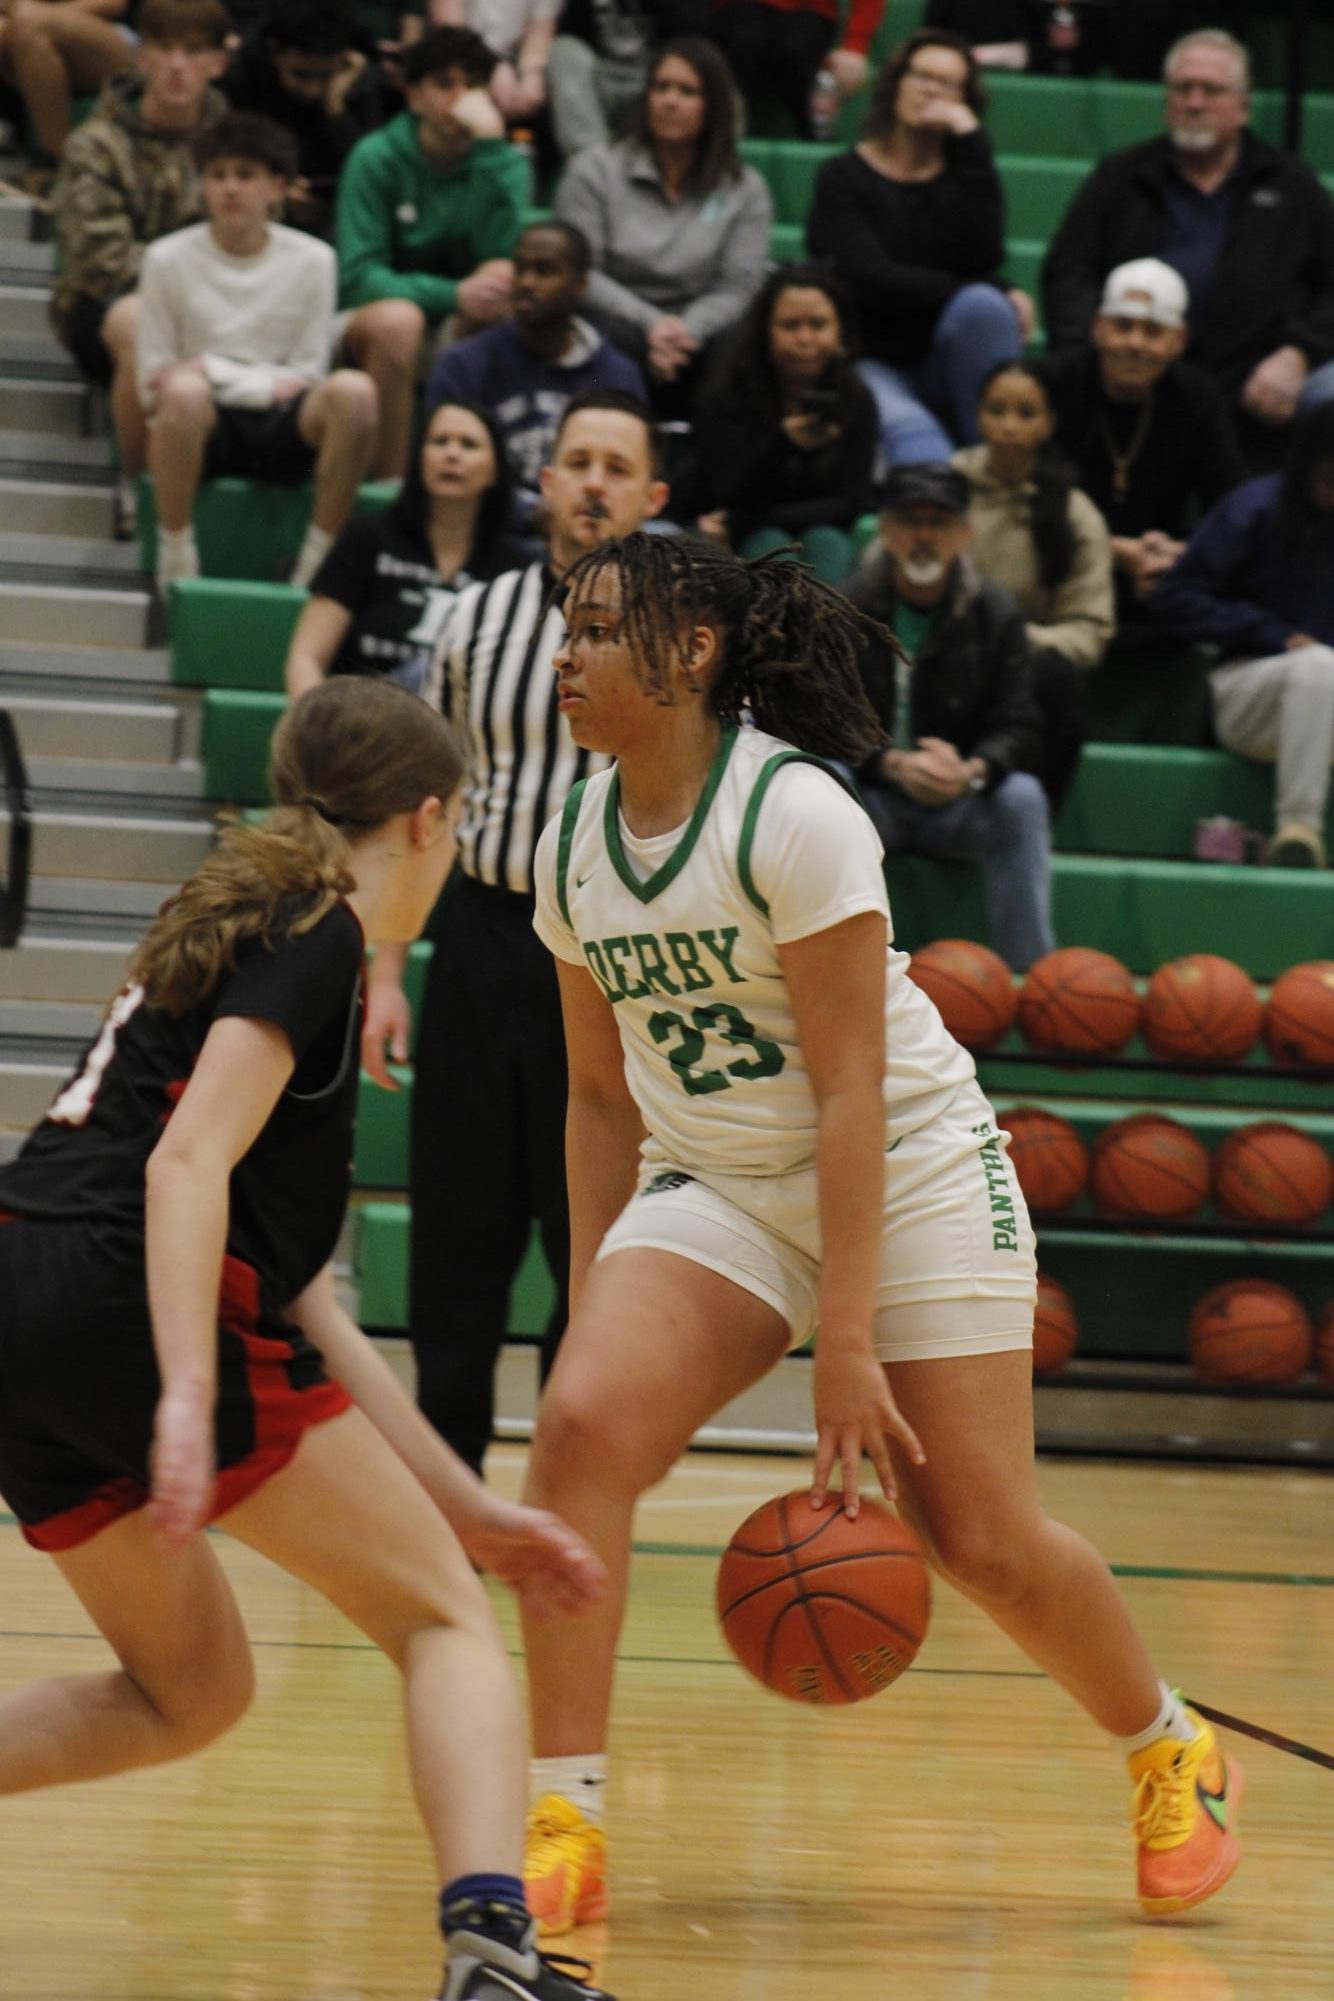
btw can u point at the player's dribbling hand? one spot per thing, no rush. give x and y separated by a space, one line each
182 1464
855 1414
539 1556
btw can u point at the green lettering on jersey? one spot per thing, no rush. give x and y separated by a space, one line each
616 949
652 964
722 947
597 967
682 948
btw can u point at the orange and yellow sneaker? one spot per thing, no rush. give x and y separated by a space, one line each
1186 1801
564 1868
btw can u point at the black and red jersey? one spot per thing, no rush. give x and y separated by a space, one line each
86 1161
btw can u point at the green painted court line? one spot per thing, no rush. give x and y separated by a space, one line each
1168 1573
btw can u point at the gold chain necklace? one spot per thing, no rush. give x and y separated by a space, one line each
1122 461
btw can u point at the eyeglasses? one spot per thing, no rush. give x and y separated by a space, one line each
950 85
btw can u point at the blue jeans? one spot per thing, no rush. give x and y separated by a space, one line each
1008 830
927 410
1319 388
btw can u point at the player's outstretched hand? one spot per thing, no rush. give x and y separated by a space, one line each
855 1414
182 1464
546 1562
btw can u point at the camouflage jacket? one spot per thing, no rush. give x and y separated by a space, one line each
121 185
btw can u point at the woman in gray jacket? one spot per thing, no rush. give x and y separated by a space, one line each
679 227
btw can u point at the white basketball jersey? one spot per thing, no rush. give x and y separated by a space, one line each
775 850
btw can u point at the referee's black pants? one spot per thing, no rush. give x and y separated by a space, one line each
488 1152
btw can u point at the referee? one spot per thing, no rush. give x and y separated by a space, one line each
488 1114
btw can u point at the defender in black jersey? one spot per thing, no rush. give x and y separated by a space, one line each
167 1313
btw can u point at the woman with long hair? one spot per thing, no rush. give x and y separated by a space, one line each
379 598
1044 541
679 226
172 1351
786 427
770 1129
913 220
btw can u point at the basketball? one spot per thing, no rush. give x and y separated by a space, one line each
1050 1159
1270 1172
1299 1018
972 988
1080 1002
1055 1328
1202 1008
1250 1331
1324 1344
1149 1167
821 1609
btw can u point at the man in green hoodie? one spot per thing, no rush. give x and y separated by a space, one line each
428 211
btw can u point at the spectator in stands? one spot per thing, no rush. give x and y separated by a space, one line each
1249 228
1148 435
792 53
302 68
1257 580
678 226
913 219
51 51
598 64
786 427
528 366
428 210
519 34
955 697
235 330
129 176
490 1048
1044 542
379 600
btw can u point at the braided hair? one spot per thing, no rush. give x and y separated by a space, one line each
790 644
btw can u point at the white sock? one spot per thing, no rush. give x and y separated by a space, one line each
581 1781
312 553
1171 1721
177 555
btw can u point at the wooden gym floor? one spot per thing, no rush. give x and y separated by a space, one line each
960 1838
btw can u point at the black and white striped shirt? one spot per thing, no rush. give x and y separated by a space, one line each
492 678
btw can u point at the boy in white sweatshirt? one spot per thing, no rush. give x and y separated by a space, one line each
235 331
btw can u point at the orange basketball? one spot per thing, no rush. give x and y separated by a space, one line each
1055 1328
1270 1172
1079 1001
1250 1331
821 1609
1149 1166
1324 1343
1202 1008
1050 1159
1299 1019
972 988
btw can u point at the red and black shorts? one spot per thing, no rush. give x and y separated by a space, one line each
79 1381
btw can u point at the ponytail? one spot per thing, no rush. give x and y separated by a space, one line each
791 645
1053 534
347 757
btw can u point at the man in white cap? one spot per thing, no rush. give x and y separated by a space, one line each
1248 227
1148 434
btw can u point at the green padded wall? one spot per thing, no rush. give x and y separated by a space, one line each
380 1263
227 634
245 528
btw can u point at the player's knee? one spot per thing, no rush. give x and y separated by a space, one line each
979 1557
204 1699
577 1432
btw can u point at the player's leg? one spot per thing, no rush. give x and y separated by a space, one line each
658 1345
184 1677
976 1503
348 1518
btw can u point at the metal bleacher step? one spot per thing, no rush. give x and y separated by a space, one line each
132 670
94 732
27 1087
46 1023
23 308
43 406
111 781
119 846
44 967
43 456
16 215
27 263
90 900
58 508
73 615
36 358
80 560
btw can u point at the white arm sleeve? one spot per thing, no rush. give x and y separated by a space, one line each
816 858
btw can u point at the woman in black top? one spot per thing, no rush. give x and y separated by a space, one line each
381 595
787 426
167 1315
913 220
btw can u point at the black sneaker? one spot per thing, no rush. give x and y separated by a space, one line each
493 1956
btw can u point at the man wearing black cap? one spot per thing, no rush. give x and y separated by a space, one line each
958 707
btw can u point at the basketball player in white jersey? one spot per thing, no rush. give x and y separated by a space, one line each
770 1131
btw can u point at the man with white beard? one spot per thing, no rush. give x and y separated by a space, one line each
955 695
1248 227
